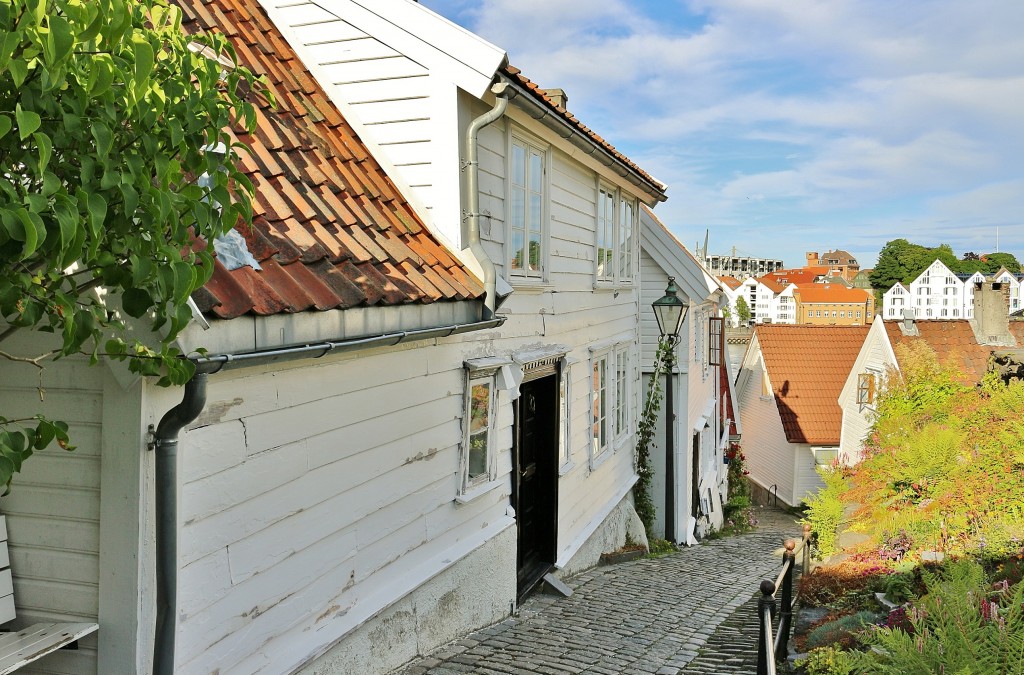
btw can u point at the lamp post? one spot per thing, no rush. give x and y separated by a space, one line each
669 311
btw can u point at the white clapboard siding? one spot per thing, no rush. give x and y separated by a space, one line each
53 510
344 474
769 455
806 480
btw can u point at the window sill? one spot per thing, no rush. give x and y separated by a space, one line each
625 441
566 468
530 286
598 460
613 285
477 491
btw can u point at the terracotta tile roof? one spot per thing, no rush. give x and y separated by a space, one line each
844 257
540 94
731 282
953 339
784 278
330 230
830 293
808 366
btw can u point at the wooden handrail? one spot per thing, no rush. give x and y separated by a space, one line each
771 650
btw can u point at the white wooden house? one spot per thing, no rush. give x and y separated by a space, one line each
788 387
556 207
703 417
380 463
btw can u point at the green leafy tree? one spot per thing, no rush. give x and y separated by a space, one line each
900 261
116 178
742 311
995 261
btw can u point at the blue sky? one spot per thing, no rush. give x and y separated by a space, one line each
795 125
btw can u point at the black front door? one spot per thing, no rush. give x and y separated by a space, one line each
535 478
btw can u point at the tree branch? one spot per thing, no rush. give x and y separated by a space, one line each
28 359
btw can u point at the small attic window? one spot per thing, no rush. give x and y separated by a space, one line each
223 59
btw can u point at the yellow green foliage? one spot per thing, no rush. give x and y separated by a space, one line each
943 467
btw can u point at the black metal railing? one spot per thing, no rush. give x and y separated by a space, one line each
772 646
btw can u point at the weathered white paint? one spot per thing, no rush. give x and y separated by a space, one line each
53 511
876 356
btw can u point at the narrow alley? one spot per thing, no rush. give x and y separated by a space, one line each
682 613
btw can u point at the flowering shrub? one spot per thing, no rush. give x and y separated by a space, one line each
943 468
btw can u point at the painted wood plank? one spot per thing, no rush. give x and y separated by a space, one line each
350 44
391 112
7 610
403 131
25 646
387 68
415 86
51 600
414 152
54 564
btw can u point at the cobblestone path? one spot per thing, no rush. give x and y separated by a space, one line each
645 616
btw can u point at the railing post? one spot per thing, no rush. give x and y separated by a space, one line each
765 612
806 567
786 614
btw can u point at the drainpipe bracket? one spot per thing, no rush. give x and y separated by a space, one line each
151 438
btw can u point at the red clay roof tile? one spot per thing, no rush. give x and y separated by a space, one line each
331 229
808 366
952 340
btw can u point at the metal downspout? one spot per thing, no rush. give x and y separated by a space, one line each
166 447
503 92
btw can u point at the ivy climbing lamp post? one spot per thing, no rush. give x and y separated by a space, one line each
669 311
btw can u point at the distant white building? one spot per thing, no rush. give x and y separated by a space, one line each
939 293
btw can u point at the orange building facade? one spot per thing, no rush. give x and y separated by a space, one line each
833 305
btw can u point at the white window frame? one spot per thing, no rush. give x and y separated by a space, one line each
619 264
474 379
530 146
617 412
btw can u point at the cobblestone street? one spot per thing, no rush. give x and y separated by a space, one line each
648 616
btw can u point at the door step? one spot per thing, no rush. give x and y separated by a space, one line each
554 586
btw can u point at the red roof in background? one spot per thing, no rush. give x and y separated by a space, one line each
804 275
517 76
830 293
731 282
953 339
808 366
330 230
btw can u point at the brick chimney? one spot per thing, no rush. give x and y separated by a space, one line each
991 322
558 97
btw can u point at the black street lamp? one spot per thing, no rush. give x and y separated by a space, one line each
670 311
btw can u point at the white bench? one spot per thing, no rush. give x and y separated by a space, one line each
36 641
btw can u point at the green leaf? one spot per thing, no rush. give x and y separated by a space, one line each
9 41
28 121
45 146
104 139
136 302
143 66
5 125
59 40
97 214
19 71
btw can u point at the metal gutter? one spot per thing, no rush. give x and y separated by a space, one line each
166 446
165 443
219 362
525 101
502 93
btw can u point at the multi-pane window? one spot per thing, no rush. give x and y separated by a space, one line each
600 404
478 421
605 234
627 220
610 391
616 235
866 388
526 210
